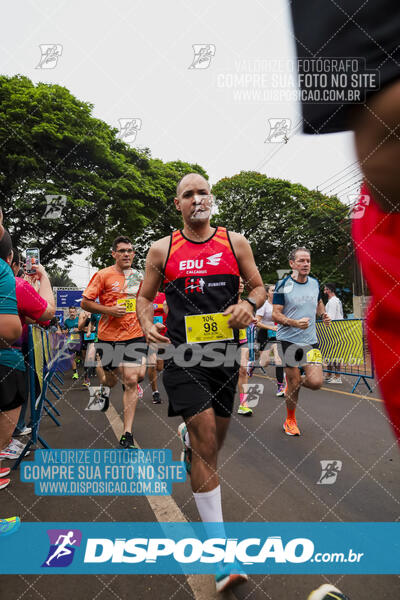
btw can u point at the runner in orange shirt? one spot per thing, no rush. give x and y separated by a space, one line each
121 346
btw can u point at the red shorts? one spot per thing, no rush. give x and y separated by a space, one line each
376 236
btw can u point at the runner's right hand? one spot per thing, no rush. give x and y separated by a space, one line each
303 323
154 336
118 310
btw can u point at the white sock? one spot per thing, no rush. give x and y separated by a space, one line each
210 510
187 440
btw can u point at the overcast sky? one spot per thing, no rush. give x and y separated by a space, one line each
132 60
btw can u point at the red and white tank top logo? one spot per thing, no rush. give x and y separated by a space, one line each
194 284
212 260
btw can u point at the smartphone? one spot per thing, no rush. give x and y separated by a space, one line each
32 258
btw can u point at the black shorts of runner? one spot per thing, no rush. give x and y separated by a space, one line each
191 390
367 32
263 339
127 351
295 355
13 388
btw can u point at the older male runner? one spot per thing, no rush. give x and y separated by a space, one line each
297 300
200 267
119 333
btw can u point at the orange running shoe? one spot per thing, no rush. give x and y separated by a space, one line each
290 427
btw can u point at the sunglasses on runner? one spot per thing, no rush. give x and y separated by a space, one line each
125 251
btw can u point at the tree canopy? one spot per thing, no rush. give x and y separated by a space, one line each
276 216
52 145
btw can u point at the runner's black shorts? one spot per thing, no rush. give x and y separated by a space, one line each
13 388
191 390
113 354
345 29
263 339
298 355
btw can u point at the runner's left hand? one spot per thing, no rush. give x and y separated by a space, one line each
241 315
326 319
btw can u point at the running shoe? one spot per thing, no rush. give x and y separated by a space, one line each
336 380
13 450
86 382
139 391
327 592
4 472
229 576
25 431
290 427
250 368
245 410
4 483
75 375
186 454
9 525
280 390
156 398
127 442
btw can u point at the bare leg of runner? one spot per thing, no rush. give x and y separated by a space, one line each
130 377
243 409
8 421
313 378
202 430
293 381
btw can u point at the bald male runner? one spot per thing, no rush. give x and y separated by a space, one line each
199 267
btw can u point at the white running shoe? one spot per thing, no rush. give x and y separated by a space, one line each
13 450
327 592
25 431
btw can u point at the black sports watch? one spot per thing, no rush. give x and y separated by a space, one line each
253 304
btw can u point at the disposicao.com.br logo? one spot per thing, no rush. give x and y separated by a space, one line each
202 548
192 550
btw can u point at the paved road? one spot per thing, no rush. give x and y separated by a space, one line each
265 476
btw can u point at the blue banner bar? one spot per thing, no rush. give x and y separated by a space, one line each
174 548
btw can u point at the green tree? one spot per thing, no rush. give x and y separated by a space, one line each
60 277
276 216
162 179
52 145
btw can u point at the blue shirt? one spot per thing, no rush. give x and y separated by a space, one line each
71 323
8 306
298 300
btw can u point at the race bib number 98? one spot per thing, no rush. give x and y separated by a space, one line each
207 328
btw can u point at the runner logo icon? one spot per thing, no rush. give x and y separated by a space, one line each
330 470
63 543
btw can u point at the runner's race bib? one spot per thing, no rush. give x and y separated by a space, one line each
89 336
207 328
242 336
314 356
129 303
